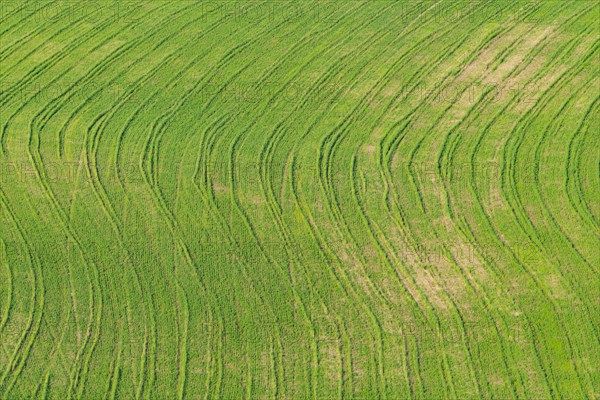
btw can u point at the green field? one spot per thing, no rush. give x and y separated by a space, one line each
300 199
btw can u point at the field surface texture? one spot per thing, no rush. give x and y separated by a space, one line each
300 200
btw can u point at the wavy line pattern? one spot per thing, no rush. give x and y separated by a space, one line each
310 200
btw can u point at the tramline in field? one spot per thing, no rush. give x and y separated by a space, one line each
299 200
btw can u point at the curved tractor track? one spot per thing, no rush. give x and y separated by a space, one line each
300 200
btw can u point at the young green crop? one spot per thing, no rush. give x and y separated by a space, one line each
307 200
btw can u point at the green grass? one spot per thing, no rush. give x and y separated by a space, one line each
299 200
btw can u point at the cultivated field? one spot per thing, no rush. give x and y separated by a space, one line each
300 199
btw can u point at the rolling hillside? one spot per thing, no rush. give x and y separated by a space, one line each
300 199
